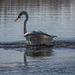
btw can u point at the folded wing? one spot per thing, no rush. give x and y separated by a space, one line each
38 37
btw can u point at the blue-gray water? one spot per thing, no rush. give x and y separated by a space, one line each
56 17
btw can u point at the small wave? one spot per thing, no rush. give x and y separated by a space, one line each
65 44
17 44
22 44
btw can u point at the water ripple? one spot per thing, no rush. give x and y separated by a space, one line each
22 44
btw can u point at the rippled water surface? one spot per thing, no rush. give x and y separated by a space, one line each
56 17
52 16
35 61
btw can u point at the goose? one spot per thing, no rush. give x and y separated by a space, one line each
35 37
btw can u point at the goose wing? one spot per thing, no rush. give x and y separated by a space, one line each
38 37
36 32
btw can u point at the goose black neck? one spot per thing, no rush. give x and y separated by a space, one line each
24 13
25 26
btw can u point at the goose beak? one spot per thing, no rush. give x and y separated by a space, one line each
17 18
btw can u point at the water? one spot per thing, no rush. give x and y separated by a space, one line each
44 61
56 17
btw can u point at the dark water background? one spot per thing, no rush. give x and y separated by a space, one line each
56 17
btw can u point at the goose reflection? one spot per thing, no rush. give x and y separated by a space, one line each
37 52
